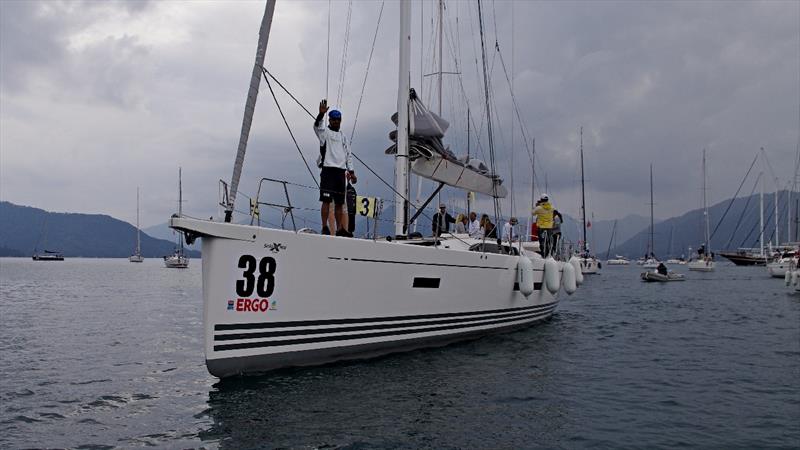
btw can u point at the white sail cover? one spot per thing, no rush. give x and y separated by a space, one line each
430 159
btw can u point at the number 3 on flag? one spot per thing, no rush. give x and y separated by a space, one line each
365 206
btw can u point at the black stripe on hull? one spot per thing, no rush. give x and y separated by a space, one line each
347 337
284 333
226 367
310 323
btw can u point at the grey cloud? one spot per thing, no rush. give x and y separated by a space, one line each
650 83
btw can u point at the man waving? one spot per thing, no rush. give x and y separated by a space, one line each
336 163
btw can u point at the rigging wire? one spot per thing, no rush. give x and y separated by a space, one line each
328 55
366 73
345 48
352 152
734 197
277 104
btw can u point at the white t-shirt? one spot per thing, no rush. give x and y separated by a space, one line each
475 230
337 149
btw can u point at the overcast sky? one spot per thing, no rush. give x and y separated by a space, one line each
97 98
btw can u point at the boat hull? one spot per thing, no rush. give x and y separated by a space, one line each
176 262
47 258
275 298
744 259
657 277
589 266
701 266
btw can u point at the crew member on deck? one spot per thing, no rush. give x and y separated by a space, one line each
441 221
475 231
509 232
336 164
544 222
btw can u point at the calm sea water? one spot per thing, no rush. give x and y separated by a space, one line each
107 354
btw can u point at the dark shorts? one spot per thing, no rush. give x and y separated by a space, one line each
332 185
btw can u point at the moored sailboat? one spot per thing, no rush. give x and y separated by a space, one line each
137 255
705 259
178 259
588 262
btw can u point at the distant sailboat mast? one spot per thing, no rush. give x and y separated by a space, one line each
707 234
180 207
652 229
761 218
138 240
583 200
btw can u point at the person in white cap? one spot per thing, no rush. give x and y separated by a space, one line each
544 221
441 221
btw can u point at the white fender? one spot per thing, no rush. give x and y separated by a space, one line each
552 279
525 275
568 279
787 277
794 277
576 263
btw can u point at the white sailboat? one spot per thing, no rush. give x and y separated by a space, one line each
276 298
179 259
617 260
650 261
588 263
136 257
704 262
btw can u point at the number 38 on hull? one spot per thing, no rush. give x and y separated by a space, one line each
276 298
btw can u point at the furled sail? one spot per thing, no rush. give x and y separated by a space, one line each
432 160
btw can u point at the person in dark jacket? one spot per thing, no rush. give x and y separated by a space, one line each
350 200
441 221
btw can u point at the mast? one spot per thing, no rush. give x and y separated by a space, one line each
777 235
651 245
401 158
469 193
583 198
441 58
533 179
761 220
180 207
252 95
611 241
707 236
138 240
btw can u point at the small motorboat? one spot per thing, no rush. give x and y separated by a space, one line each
655 276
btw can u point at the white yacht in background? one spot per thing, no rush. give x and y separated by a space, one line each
618 260
179 259
779 266
136 257
277 298
705 261
650 261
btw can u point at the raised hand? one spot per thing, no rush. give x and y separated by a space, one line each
323 106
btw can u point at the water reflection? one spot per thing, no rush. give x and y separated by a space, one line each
496 390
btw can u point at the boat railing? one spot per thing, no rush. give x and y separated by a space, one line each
287 209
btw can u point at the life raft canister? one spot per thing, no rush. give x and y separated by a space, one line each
552 278
525 275
568 278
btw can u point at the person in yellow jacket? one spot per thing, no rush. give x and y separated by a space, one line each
544 221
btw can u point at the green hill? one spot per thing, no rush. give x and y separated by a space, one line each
24 229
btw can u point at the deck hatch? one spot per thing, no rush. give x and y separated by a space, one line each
423 282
